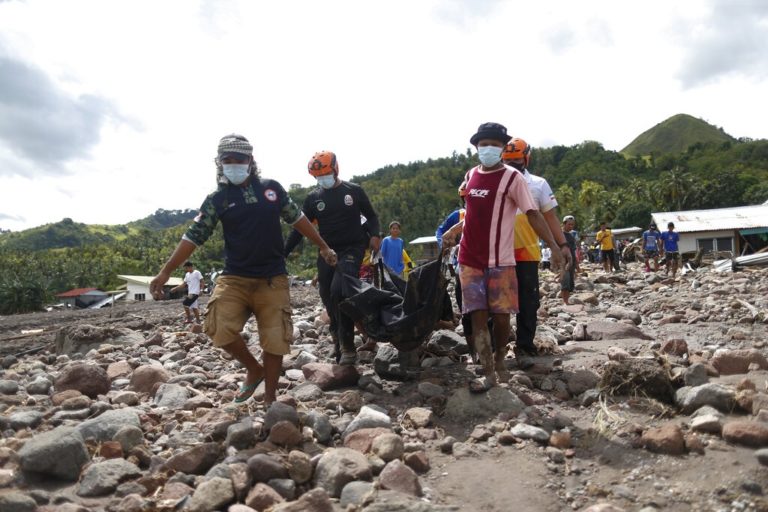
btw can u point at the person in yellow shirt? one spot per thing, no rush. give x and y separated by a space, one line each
408 264
605 238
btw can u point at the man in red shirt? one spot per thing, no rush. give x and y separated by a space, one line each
486 254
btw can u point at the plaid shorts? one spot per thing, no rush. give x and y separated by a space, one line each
490 289
233 301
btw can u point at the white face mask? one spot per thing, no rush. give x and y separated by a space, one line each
327 181
236 173
489 155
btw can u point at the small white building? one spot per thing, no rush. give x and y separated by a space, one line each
429 247
138 286
720 230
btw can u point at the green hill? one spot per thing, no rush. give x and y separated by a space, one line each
68 233
675 135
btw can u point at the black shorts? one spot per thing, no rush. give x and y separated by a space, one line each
189 300
670 256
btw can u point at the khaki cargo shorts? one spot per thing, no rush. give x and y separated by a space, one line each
233 301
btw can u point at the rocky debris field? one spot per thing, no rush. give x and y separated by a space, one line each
650 394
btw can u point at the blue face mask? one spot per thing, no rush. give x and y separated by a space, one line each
236 173
327 181
489 155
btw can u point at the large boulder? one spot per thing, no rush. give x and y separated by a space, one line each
89 379
60 453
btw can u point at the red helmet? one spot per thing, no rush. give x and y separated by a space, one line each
516 149
322 163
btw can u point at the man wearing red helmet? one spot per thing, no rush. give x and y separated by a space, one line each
336 206
495 192
517 153
254 280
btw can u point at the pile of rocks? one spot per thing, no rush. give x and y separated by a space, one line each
134 419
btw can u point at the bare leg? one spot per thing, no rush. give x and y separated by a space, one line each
501 339
273 365
188 313
239 350
197 314
482 339
566 295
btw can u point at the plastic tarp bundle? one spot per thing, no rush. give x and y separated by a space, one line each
403 313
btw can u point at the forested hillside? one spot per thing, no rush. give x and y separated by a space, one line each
589 181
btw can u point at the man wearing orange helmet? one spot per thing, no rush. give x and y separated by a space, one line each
495 192
337 205
517 153
254 279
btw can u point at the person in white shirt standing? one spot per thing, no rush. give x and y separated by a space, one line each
193 281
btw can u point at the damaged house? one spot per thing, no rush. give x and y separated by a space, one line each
722 232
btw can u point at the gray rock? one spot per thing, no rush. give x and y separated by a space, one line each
762 456
580 380
8 387
171 396
524 431
17 502
212 494
620 313
714 395
602 330
463 405
129 437
337 467
104 477
708 423
388 446
446 341
368 417
279 411
429 389
39 386
105 426
354 493
320 425
307 392
390 363
695 375
60 453
264 468
285 487
25 419
241 435
303 358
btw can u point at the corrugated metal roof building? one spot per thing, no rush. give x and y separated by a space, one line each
718 230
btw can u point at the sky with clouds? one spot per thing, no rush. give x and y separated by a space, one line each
110 110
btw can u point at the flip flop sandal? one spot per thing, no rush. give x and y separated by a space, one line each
246 392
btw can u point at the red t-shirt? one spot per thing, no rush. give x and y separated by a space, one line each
493 198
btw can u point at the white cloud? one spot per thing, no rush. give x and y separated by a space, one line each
143 90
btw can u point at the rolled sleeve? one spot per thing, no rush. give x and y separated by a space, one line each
203 225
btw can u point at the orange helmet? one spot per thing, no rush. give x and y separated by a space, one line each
322 163
515 149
